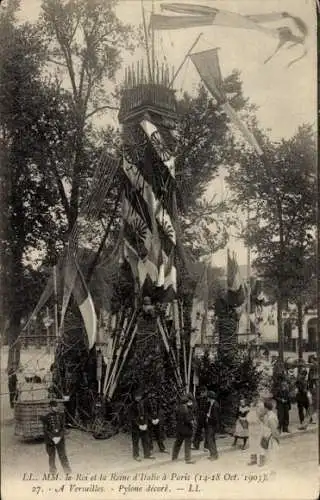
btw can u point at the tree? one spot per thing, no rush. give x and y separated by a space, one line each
84 40
33 121
280 191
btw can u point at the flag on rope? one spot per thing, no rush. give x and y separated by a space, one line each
201 15
199 306
208 67
74 283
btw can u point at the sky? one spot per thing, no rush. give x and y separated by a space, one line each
286 97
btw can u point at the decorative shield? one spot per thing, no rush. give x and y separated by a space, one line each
158 144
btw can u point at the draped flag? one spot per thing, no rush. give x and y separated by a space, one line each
74 283
201 15
199 306
235 283
167 279
208 67
139 244
148 209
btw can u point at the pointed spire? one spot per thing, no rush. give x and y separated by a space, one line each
133 76
129 78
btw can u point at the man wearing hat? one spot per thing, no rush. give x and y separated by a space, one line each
139 426
184 428
212 425
155 421
54 437
202 407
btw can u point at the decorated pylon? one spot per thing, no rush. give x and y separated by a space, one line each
148 114
148 119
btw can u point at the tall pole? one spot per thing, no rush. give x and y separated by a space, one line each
152 47
55 293
248 281
147 41
185 58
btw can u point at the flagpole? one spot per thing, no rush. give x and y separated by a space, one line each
152 47
184 346
147 40
248 280
185 58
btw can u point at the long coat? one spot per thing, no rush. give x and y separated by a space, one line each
184 421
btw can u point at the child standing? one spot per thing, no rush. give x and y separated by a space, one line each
269 442
54 432
242 424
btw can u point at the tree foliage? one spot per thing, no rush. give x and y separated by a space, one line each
280 192
33 121
282 197
232 376
84 42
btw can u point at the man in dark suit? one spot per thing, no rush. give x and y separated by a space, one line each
155 422
212 425
202 406
139 427
283 407
54 437
184 429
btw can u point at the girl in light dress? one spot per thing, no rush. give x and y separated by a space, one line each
269 442
242 424
264 435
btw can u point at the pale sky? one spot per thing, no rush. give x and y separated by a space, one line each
286 97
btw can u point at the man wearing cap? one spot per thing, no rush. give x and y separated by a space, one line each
212 425
54 437
202 407
139 427
184 428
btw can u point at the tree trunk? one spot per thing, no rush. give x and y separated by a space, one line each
300 329
14 343
280 328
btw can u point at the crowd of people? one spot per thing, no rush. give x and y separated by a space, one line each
296 386
198 420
